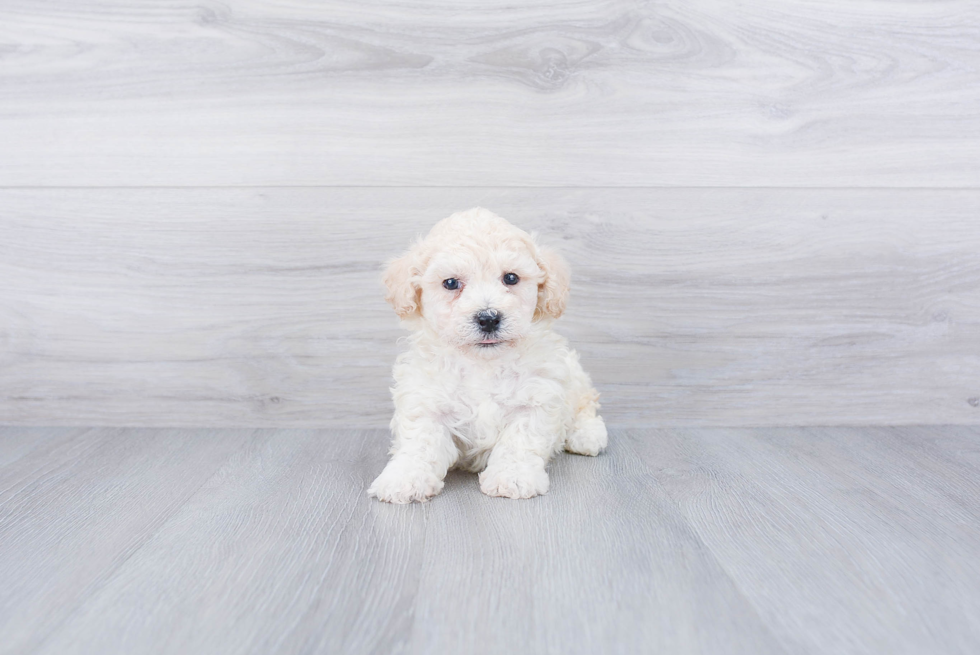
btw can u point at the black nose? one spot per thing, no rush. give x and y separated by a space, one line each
489 320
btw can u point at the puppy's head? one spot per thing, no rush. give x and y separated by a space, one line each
478 282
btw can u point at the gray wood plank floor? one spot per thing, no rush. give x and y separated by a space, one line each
715 540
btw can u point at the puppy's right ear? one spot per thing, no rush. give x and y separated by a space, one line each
401 280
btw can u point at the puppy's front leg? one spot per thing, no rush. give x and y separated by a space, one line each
516 467
421 453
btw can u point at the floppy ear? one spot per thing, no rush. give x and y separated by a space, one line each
553 290
401 280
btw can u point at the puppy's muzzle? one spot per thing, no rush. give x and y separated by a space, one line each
488 320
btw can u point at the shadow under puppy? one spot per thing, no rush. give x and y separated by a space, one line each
486 385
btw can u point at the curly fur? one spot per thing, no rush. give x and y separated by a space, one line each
501 403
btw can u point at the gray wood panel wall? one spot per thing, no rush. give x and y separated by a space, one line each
772 209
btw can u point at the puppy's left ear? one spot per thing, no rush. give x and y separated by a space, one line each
553 290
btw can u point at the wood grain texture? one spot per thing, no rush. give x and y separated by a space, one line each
552 92
79 505
844 540
257 307
603 564
282 551
747 541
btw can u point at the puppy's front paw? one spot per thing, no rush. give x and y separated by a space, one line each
515 480
588 438
405 482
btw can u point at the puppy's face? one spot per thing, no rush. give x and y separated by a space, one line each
478 282
480 298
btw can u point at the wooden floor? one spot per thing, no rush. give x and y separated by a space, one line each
778 540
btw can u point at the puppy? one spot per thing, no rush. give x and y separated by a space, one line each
486 386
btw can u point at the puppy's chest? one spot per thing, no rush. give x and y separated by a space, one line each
477 406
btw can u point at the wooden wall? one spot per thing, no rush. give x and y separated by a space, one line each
772 209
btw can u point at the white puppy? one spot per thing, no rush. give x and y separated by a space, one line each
486 386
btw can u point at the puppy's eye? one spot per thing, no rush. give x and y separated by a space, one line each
452 284
511 279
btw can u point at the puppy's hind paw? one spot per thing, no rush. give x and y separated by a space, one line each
588 438
514 481
403 482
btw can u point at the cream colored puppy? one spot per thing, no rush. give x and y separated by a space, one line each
486 385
